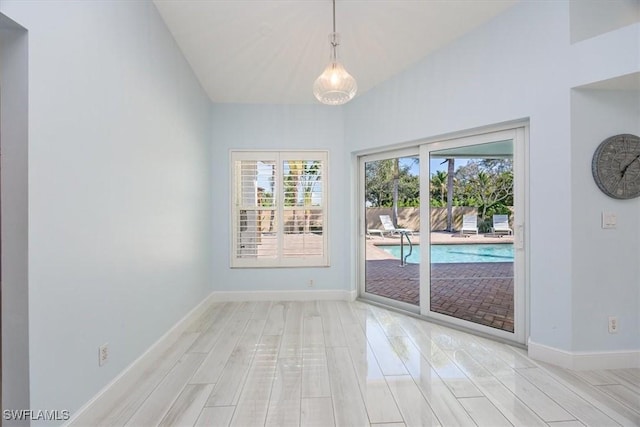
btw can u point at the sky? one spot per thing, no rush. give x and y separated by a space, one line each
264 170
435 165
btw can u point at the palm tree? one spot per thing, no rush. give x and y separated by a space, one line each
292 188
396 184
272 216
439 181
301 179
310 174
450 172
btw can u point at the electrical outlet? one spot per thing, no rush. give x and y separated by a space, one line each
310 283
613 325
103 354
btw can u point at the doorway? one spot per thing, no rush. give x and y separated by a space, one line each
466 265
391 200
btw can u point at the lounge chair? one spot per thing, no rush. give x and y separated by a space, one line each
469 224
372 231
388 226
501 224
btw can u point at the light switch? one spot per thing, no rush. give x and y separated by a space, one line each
609 220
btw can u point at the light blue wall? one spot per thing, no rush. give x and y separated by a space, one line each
522 65
605 262
277 127
129 176
119 191
514 67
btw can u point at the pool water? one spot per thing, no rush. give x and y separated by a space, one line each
499 252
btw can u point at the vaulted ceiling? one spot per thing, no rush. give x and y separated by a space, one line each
271 51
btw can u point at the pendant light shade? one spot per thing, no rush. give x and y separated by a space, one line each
335 86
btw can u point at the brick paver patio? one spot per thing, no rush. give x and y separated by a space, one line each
479 292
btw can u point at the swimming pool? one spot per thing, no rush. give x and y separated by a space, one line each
500 252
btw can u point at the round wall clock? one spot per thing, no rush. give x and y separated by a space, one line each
616 166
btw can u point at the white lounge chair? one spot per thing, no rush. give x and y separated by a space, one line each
469 224
501 224
388 226
372 231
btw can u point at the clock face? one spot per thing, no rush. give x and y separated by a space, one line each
616 166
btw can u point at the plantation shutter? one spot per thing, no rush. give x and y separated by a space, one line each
279 209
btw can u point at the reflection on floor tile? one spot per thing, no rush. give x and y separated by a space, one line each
339 363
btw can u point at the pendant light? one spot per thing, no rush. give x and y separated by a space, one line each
335 86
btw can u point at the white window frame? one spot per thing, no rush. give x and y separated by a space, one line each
278 156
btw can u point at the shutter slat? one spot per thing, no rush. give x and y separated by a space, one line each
266 229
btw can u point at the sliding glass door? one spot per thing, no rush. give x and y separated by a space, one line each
454 247
391 228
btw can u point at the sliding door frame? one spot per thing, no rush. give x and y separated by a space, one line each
518 131
362 226
520 280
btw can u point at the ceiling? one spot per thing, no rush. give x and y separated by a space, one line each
271 51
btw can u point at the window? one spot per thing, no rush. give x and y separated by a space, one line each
279 209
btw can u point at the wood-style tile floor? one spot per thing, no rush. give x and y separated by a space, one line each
332 363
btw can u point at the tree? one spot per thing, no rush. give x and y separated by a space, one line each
450 171
442 187
311 176
409 190
396 184
272 182
298 188
486 184
438 188
378 175
384 177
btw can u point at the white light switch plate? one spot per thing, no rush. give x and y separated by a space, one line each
609 220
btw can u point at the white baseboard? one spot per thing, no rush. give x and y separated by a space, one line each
160 345
582 360
174 333
305 295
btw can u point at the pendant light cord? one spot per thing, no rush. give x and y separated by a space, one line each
334 36
334 16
